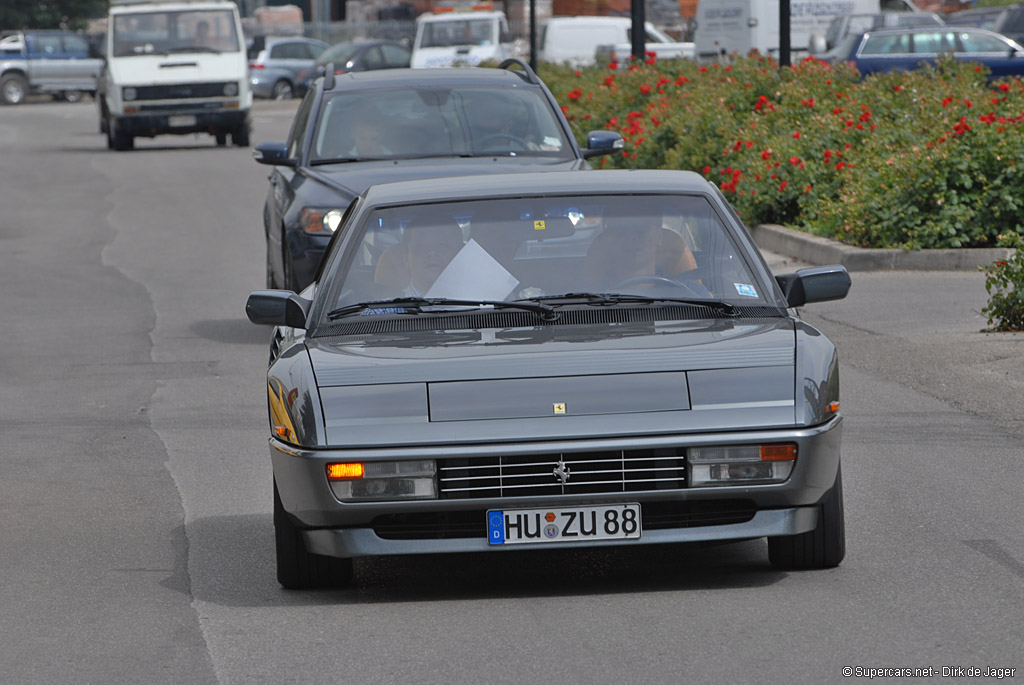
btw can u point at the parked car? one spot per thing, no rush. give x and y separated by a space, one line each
57 63
583 41
357 129
471 372
276 63
1008 21
841 27
358 55
887 50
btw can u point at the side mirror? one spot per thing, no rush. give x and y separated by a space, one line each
274 154
815 284
602 142
277 308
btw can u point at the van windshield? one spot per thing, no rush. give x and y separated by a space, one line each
147 33
446 34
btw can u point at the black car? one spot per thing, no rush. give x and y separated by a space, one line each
358 55
355 130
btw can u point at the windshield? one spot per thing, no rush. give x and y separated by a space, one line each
436 122
540 249
145 33
445 34
339 54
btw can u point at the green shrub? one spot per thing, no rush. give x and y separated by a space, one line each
1005 285
926 159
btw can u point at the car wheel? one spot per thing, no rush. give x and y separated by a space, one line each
823 547
282 90
298 569
73 95
221 138
13 89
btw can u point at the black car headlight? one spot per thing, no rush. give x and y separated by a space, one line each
383 480
320 221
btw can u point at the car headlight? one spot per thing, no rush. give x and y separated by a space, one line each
129 94
231 89
740 464
383 480
320 221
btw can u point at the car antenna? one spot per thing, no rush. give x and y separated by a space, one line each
530 76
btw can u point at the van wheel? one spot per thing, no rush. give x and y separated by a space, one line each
823 547
13 89
298 569
73 95
118 139
222 138
240 136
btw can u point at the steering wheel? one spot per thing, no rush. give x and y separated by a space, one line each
523 145
660 280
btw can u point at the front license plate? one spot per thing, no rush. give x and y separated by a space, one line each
563 524
182 120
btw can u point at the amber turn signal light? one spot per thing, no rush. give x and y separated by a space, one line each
345 471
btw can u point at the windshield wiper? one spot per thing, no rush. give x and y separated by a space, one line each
418 305
609 299
334 160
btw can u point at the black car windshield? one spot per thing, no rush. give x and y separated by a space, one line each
557 251
406 123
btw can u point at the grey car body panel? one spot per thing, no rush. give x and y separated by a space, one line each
362 542
306 494
293 373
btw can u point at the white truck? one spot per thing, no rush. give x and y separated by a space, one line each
174 68
737 27
583 41
461 38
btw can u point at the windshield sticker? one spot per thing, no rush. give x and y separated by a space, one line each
745 290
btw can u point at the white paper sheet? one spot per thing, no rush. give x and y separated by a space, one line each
474 274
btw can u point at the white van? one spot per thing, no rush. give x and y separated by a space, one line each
454 38
736 27
174 68
575 40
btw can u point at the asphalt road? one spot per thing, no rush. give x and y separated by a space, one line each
137 544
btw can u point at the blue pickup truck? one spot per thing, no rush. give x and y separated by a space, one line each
53 62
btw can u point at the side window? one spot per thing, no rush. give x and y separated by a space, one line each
982 42
315 50
882 44
76 45
47 46
298 131
373 59
934 42
395 56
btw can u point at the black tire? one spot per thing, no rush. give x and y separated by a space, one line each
240 136
221 137
118 139
823 547
13 89
282 90
73 95
297 569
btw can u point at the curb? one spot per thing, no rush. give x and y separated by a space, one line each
817 250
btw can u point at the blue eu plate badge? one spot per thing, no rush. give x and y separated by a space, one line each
496 527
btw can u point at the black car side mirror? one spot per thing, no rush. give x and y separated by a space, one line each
602 142
274 154
277 308
815 284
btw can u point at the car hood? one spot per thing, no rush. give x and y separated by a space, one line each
559 381
355 177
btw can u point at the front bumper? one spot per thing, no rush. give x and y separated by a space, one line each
183 121
341 529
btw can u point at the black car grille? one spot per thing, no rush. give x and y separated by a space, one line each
472 524
180 91
606 471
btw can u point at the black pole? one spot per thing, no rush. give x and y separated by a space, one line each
533 34
636 11
784 33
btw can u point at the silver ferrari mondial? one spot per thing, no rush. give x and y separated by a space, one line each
550 360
